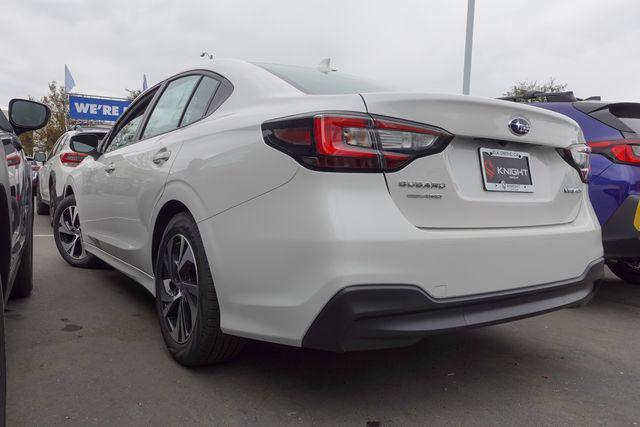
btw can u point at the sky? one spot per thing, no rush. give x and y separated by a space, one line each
592 45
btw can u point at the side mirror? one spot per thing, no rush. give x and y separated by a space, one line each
40 157
85 143
27 115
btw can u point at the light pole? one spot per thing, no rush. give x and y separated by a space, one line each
468 45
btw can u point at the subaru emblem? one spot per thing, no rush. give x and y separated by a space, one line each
519 126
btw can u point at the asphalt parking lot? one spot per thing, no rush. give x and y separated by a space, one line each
85 348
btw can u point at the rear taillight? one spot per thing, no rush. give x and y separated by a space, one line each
620 151
72 159
35 168
578 156
353 142
13 160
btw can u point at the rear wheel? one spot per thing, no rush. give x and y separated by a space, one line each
186 299
41 207
627 270
68 235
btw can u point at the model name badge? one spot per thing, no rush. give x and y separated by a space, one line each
424 196
572 190
421 184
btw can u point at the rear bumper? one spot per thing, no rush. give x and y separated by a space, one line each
278 259
621 233
384 316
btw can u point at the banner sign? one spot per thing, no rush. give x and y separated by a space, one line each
93 108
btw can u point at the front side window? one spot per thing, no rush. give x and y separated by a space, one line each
125 133
168 110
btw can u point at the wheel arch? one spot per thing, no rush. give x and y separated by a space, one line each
170 209
177 196
51 182
68 190
51 187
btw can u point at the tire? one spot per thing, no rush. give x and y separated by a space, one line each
68 236
200 340
41 207
23 283
626 271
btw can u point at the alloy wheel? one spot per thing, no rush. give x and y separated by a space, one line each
70 233
179 293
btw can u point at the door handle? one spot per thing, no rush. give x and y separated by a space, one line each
110 168
161 156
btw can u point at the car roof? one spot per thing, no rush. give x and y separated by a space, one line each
247 78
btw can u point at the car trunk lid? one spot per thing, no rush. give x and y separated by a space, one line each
450 190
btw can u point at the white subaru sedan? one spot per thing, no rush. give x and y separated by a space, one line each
317 209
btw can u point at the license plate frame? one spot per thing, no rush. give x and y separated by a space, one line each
506 171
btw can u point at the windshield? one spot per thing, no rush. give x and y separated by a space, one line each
315 82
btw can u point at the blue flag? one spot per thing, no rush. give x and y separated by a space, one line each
144 82
69 83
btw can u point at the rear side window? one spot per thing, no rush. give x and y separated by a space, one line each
200 100
168 110
315 82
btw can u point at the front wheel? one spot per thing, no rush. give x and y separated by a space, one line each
186 299
68 235
627 270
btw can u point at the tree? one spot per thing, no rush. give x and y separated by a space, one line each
133 93
525 86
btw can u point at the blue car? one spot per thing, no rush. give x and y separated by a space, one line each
612 130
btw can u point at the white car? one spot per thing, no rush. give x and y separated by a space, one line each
56 166
317 209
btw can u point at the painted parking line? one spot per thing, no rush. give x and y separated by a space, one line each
43 235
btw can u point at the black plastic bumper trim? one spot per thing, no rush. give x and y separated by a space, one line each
620 238
367 317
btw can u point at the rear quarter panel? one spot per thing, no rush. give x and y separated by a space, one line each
224 160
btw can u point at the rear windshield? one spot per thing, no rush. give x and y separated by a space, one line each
315 82
4 123
627 113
